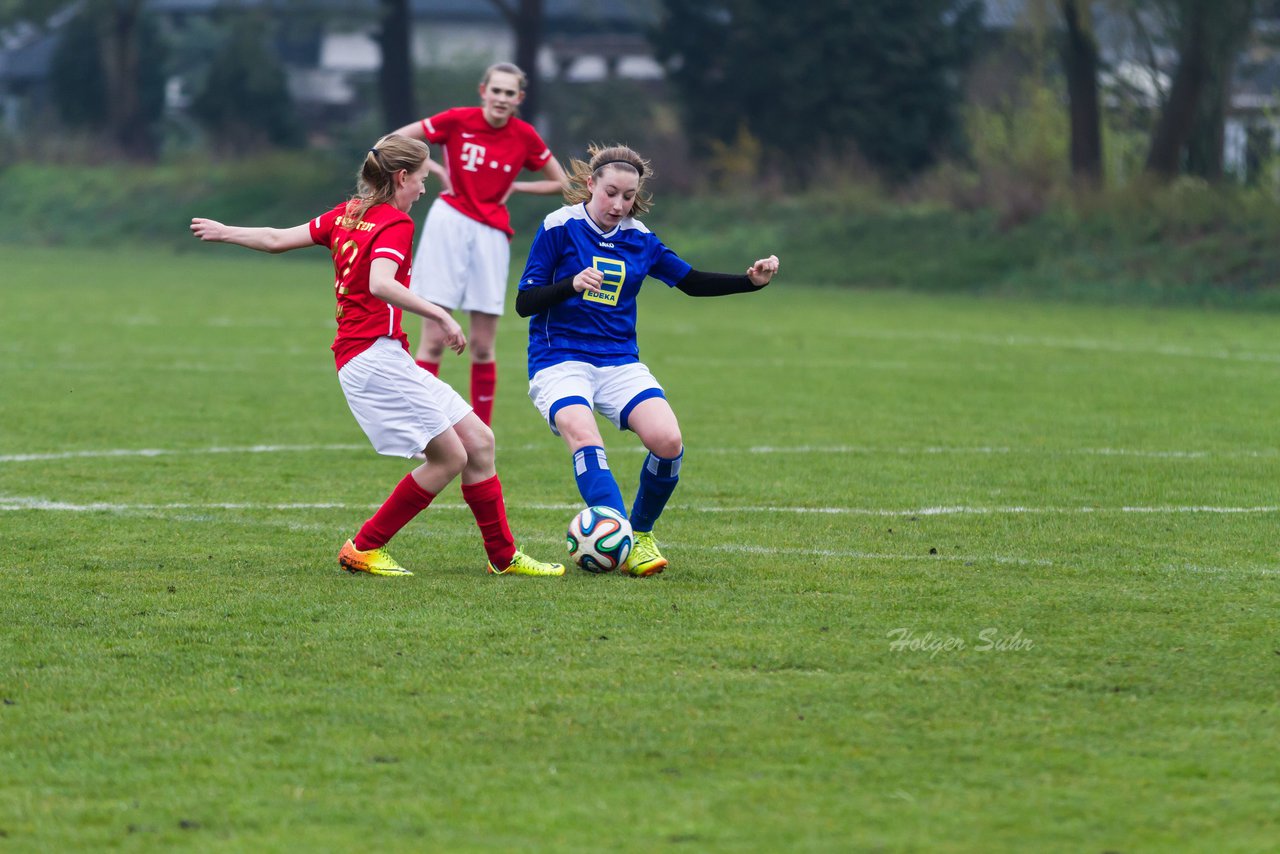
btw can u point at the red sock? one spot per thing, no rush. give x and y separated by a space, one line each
484 382
407 500
431 367
485 500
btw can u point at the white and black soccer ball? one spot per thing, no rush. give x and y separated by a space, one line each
599 539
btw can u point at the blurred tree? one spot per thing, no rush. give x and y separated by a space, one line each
526 20
1208 34
807 79
114 57
244 102
1080 63
83 94
395 73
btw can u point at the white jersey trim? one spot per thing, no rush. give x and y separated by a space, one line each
568 213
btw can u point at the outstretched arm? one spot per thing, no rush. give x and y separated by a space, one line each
263 239
699 284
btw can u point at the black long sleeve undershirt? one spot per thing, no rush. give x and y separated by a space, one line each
696 283
537 300
699 284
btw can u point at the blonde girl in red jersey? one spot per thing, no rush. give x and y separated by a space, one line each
465 252
403 410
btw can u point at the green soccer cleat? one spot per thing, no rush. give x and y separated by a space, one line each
375 561
645 559
522 564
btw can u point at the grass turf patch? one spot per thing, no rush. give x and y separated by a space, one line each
947 573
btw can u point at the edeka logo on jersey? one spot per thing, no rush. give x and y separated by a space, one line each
615 273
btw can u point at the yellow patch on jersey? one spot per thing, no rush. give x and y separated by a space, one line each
615 273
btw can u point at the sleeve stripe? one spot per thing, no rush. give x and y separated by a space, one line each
430 128
389 251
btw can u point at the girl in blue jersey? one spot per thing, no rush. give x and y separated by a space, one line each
579 289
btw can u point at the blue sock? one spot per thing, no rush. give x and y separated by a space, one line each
658 479
595 481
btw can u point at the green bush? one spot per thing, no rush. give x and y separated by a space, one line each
1184 243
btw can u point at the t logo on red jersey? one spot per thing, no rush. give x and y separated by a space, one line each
472 156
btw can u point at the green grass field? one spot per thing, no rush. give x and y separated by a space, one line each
947 574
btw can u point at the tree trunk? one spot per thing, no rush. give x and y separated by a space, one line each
1080 59
395 74
1231 26
1212 32
525 20
1205 142
118 40
528 29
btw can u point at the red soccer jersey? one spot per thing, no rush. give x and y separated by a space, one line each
383 232
484 161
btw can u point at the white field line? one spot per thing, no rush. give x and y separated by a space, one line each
13 503
184 510
184 514
171 452
761 450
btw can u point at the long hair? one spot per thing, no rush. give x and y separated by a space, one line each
600 158
375 182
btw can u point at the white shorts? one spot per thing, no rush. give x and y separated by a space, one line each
461 263
400 407
613 391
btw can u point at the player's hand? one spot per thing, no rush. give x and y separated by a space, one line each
208 229
454 338
762 272
589 279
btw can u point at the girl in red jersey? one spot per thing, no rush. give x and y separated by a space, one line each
403 410
465 251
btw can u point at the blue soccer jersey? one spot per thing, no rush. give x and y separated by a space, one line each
597 328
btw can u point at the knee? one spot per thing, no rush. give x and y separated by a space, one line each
430 349
454 462
444 463
668 444
577 426
479 446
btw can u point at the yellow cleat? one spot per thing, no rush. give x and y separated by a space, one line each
375 561
522 564
645 559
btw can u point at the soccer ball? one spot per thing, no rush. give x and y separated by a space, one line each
599 539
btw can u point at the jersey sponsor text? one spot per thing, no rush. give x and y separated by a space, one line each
615 273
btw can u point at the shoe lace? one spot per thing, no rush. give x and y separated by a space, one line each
645 546
525 560
381 553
